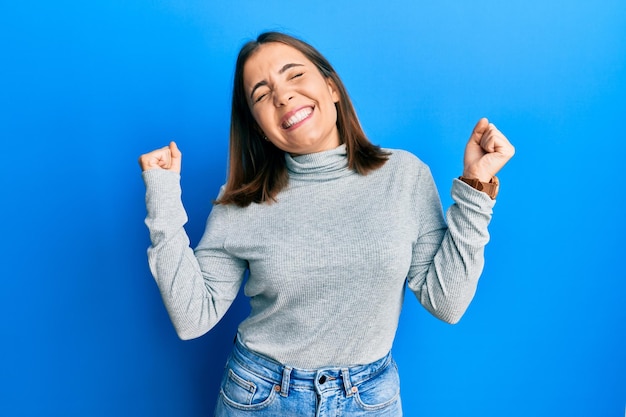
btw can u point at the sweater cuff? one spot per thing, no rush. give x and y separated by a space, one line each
163 193
469 196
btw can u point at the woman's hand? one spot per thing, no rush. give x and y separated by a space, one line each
486 152
168 158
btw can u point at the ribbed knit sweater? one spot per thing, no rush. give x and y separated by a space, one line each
328 261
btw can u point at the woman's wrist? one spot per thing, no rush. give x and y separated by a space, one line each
490 188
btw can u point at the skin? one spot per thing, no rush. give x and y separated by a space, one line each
486 152
280 82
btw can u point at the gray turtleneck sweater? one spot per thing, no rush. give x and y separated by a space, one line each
328 262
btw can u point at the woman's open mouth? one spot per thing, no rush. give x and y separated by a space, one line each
297 117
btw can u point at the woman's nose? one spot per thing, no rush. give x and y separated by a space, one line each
282 96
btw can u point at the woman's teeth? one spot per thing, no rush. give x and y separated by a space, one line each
299 116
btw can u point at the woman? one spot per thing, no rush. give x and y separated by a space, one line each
330 227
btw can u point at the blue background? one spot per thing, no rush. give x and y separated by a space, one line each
87 86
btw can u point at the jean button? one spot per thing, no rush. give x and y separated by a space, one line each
322 379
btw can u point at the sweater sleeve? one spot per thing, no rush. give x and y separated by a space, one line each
448 259
196 290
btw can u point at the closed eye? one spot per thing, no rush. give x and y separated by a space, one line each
261 97
300 74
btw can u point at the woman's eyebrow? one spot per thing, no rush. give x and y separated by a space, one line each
280 71
287 66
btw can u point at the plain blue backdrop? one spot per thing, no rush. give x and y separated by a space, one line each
87 86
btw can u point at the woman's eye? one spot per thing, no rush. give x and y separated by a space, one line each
300 74
259 98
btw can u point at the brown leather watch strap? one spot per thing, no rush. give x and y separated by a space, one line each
490 188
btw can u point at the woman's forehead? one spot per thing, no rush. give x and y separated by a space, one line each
271 58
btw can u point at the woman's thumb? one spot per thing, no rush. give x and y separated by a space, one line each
176 156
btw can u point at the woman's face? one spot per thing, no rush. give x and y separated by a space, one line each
293 104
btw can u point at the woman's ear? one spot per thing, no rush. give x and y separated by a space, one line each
333 90
258 130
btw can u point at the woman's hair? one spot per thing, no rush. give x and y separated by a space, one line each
257 171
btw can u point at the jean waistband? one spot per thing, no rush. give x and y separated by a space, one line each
314 379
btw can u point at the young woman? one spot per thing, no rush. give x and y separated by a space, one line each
331 229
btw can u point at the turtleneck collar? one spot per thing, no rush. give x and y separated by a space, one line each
319 166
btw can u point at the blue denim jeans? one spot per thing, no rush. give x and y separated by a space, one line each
254 385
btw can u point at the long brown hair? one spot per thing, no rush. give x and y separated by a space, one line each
257 170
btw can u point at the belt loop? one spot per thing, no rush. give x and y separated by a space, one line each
347 384
284 387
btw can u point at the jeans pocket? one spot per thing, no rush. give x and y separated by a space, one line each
379 392
245 390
